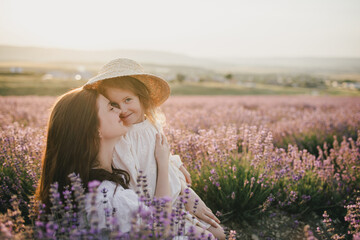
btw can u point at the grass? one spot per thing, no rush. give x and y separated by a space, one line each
32 84
260 89
235 189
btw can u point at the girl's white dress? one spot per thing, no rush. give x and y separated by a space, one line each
135 152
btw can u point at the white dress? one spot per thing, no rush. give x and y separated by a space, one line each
135 152
125 201
126 204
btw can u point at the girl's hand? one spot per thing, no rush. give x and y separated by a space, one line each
186 174
162 151
202 211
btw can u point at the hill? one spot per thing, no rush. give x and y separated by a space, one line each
248 65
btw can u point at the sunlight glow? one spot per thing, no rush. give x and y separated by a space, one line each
197 28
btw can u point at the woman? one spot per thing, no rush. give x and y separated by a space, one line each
82 131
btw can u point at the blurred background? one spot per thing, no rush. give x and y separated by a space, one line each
309 47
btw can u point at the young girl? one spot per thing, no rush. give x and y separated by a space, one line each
138 95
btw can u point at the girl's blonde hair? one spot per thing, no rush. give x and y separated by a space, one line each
152 113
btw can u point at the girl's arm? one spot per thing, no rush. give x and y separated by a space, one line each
186 174
162 152
175 159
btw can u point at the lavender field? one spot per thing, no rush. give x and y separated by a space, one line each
250 157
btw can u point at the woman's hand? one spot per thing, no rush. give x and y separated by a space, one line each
162 151
186 174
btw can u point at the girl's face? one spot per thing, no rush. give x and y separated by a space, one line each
111 125
131 109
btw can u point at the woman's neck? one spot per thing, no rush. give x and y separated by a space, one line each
106 154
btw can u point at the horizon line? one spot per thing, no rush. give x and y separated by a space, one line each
182 54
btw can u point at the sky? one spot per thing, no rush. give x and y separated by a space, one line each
198 28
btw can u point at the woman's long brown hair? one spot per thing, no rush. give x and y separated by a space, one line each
73 143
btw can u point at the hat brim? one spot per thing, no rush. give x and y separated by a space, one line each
158 88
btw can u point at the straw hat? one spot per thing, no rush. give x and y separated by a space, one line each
158 88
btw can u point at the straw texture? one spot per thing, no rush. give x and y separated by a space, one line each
159 89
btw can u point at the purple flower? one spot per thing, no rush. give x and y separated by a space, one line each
94 184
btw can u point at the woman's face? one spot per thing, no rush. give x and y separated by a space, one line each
111 125
131 108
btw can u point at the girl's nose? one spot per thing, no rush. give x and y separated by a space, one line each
123 107
118 111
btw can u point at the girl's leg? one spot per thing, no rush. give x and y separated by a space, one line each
202 233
